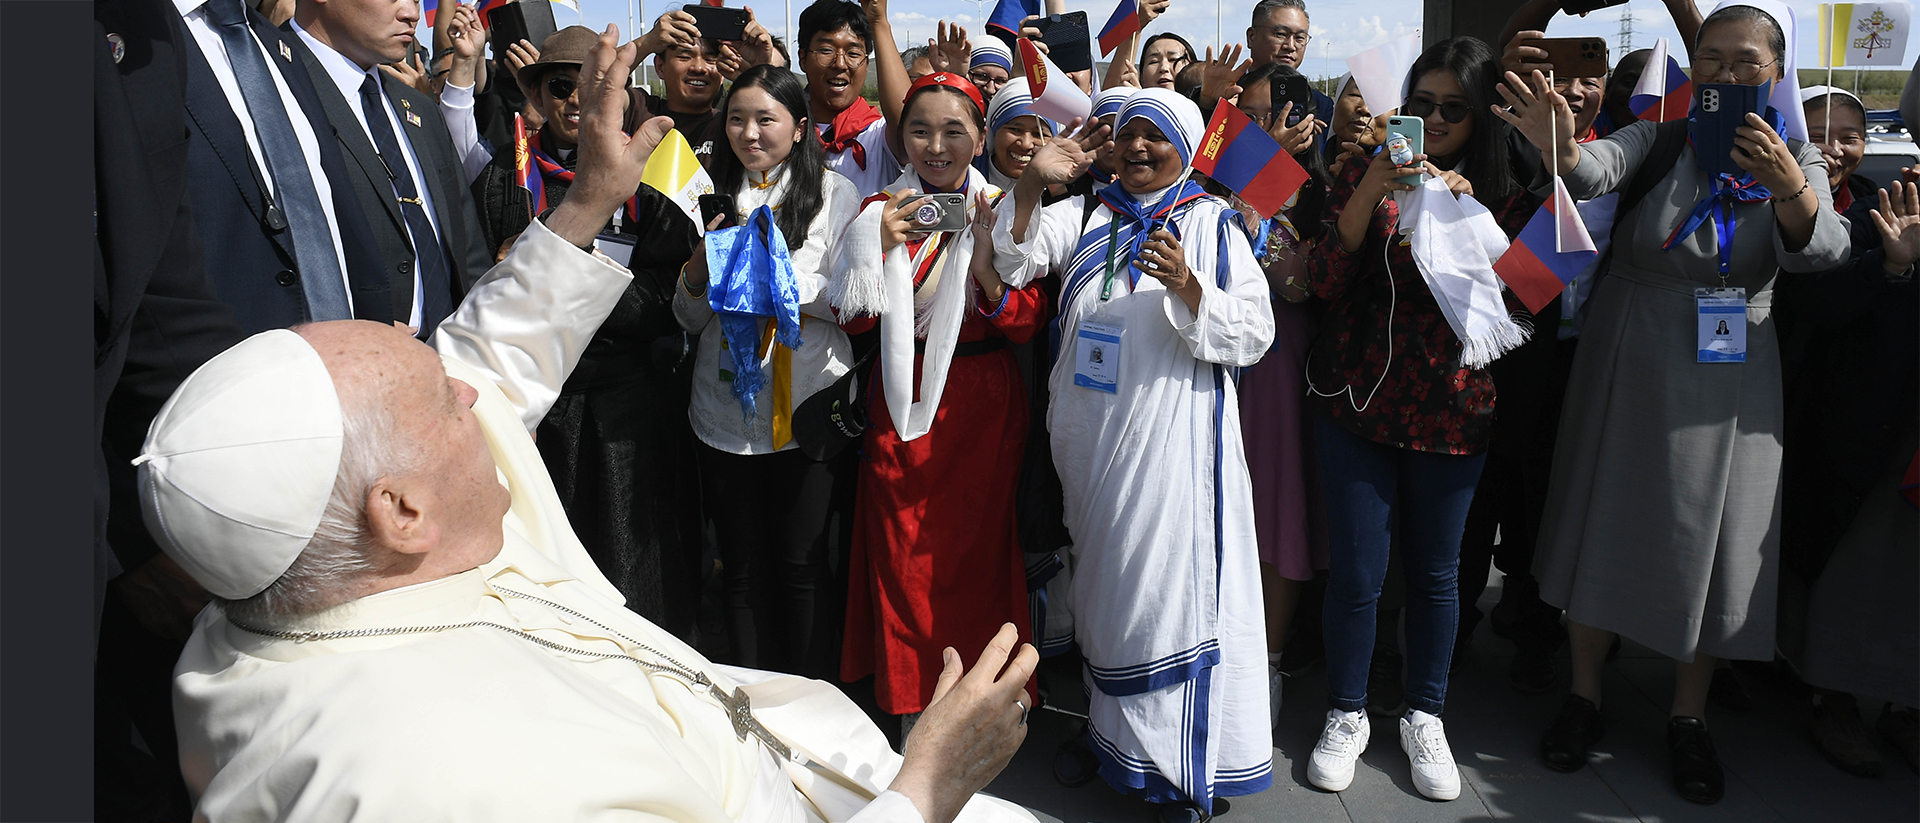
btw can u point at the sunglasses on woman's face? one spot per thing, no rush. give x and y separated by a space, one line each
561 87
1451 111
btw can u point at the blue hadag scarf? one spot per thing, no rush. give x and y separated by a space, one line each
751 277
1726 189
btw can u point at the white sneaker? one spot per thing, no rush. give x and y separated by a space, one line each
1424 740
1341 742
1276 683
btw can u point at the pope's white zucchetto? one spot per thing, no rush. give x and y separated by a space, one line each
238 465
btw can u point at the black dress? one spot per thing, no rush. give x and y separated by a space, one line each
617 441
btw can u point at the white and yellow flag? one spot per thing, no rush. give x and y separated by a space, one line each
676 173
1864 34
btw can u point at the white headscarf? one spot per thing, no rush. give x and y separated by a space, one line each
1786 93
1178 118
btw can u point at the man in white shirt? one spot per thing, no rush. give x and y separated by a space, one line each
408 629
836 45
409 178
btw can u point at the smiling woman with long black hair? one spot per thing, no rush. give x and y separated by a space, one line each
1402 424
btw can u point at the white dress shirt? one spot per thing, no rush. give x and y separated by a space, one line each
194 14
349 77
881 168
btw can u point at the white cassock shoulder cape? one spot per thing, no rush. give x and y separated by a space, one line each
477 724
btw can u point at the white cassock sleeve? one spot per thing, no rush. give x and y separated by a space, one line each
1053 232
527 321
1234 326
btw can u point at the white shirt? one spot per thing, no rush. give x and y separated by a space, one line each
824 354
456 105
201 27
349 77
881 168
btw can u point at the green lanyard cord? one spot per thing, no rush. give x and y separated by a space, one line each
1106 282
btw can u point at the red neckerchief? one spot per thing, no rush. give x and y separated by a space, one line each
844 133
1842 197
1589 137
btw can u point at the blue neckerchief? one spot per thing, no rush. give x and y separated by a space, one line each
1260 239
1136 220
750 276
1724 191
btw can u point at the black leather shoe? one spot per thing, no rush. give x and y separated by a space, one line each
1074 764
1184 812
1578 726
1696 768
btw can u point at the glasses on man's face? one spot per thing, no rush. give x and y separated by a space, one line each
1743 71
1452 111
1158 60
1285 35
561 86
829 56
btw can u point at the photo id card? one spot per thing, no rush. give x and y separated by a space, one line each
619 247
1722 317
1096 359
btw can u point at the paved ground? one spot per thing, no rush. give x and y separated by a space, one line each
1773 771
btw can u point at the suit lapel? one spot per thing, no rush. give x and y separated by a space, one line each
211 115
352 137
430 160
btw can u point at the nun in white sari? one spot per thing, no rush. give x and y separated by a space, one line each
1161 299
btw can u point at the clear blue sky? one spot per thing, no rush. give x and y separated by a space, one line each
1339 28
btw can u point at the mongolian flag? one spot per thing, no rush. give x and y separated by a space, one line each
522 159
1664 93
1004 22
1552 250
1055 96
1240 155
1124 23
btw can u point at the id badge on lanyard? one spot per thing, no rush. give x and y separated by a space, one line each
1097 344
1722 325
1721 314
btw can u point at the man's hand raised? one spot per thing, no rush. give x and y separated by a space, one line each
611 161
970 730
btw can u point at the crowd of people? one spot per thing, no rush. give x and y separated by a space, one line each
947 378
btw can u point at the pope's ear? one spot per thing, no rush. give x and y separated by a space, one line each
397 518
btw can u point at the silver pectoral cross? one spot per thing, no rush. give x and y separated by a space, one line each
740 711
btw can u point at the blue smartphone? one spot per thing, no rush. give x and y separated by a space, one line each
1724 108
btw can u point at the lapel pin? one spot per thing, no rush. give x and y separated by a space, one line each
286 52
117 46
413 119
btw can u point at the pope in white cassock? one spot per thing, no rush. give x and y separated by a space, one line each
407 628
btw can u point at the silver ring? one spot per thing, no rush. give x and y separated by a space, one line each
1023 711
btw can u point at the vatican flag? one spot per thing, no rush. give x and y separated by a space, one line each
1864 34
676 173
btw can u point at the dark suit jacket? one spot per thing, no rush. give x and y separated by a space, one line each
156 316
454 212
254 268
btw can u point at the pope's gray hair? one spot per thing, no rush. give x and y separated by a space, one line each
342 550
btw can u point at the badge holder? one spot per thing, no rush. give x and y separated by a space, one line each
1099 342
1722 324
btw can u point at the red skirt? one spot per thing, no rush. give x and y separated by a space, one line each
936 554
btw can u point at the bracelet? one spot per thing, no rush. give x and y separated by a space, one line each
1796 195
688 287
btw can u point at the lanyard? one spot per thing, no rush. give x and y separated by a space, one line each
1723 226
1113 251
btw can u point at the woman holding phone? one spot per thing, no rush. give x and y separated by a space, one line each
1401 424
936 557
769 501
1663 509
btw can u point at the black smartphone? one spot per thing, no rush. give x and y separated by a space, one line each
1578 7
718 23
1723 108
514 22
1574 56
716 205
1295 90
1068 44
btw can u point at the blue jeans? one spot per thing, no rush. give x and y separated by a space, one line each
1365 483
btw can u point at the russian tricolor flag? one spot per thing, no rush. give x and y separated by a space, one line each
1124 23
1664 92
427 10
485 7
1007 15
1240 155
1552 250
